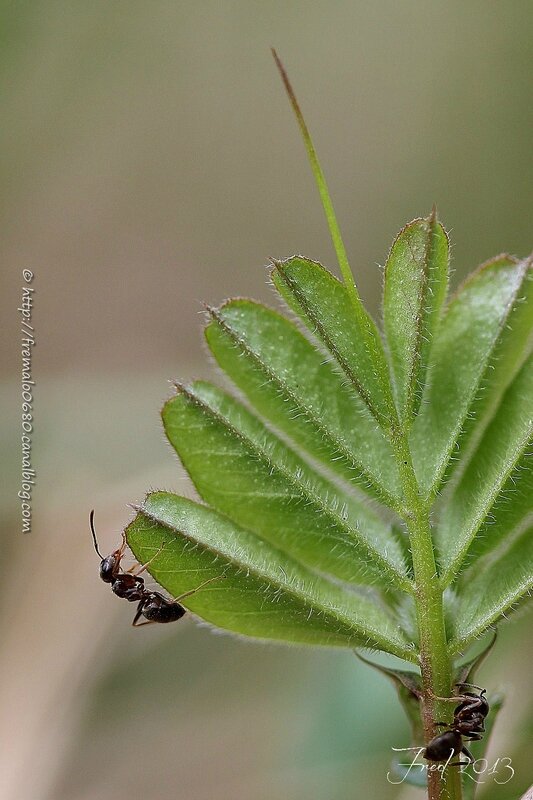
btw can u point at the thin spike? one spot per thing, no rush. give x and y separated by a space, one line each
320 179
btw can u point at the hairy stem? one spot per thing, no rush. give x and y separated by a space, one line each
435 661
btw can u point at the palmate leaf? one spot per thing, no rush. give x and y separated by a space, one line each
263 593
266 489
293 480
259 484
416 281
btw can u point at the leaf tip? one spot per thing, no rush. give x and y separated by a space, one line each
180 388
284 77
278 263
212 313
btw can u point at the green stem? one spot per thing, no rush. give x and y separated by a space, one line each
320 179
435 664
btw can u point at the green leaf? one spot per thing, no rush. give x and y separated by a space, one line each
290 383
511 510
408 677
264 593
466 666
505 444
416 281
323 304
407 683
511 350
495 586
260 486
467 337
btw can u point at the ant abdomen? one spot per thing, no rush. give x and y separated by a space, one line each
157 608
444 746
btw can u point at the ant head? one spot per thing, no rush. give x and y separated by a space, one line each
109 565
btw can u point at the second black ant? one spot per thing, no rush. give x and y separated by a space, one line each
468 722
153 606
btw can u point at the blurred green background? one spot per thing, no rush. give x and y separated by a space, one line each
150 162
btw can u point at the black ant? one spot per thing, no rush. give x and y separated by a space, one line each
154 606
468 722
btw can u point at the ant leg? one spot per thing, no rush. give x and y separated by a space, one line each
442 724
474 702
145 622
468 754
460 697
122 549
201 586
464 751
472 686
138 613
144 566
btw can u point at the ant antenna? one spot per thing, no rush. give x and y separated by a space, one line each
91 519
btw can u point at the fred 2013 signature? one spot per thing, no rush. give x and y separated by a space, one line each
479 771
